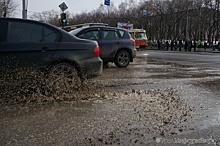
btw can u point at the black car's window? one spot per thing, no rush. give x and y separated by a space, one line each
110 34
91 35
3 31
121 32
50 35
24 32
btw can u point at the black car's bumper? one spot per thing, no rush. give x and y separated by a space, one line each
91 67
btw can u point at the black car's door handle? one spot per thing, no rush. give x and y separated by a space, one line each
44 49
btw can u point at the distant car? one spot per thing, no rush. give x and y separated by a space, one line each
116 44
32 44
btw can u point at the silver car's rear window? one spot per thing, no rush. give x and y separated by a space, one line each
75 31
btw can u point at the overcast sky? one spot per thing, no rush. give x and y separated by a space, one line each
74 6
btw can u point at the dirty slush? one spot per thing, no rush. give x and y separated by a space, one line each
140 113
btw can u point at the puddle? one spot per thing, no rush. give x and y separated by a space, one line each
211 85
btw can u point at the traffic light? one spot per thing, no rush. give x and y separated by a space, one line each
63 20
63 17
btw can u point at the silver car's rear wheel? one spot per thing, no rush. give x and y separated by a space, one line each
122 59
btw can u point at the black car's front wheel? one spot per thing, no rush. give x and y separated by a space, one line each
122 59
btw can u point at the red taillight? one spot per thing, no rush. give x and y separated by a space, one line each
96 50
131 39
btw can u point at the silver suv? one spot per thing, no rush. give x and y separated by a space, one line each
116 45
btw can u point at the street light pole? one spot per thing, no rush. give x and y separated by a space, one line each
4 9
108 15
187 24
217 7
24 9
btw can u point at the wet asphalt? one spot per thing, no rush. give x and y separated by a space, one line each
156 100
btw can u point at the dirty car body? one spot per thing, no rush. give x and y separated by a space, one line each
37 45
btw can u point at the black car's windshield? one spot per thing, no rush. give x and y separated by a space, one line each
75 31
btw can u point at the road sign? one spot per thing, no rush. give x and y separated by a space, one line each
63 6
107 2
145 12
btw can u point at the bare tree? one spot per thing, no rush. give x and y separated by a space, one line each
7 8
166 19
51 17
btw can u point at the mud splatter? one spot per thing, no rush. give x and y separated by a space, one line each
30 86
144 114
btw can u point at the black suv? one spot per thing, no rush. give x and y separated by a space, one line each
41 46
116 45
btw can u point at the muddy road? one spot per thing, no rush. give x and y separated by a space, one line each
162 98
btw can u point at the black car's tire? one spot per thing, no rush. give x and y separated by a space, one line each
122 59
66 74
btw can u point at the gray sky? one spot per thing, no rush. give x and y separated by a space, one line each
74 6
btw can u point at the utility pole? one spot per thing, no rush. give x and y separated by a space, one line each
24 9
108 15
4 9
217 9
187 23
107 3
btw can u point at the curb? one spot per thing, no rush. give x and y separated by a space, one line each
156 49
215 51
